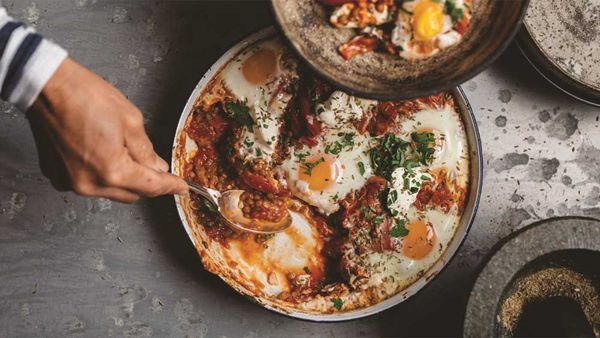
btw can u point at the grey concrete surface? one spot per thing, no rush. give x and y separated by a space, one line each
91 267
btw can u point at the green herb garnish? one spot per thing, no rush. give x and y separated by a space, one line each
365 211
239 113
309 166
346 140
337 303
301 156
423 146
248 143
399 230
361 168
454 12
334 148
389 155
335 197
392 197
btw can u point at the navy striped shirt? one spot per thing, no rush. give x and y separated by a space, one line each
27 62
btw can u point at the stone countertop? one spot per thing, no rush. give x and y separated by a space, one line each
78 266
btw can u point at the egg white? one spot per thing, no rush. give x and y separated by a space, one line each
400 206
294 249
451 147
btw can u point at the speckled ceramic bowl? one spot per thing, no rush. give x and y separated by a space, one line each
561 40
513 270
383 76
212 259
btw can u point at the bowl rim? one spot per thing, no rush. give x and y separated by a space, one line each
477 311
553 74
447 86
476 161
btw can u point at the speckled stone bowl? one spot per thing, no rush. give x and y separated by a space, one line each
561 39
382 76
569 243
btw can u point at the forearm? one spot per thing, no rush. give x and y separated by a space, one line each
27 62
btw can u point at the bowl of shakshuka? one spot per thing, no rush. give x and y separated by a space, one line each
381 193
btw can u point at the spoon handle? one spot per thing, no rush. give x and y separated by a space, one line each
202 191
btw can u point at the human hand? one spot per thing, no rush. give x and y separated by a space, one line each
91 139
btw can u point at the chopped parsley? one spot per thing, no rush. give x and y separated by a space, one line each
455 13
248 143
337 303
361 168
309 166
369 214
346 141
394 152
390 154
366 211
335 197
240 113
422 146
334 148
392 197
399 230
301 156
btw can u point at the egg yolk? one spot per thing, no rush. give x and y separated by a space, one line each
320 171
260 66
428 19
420 240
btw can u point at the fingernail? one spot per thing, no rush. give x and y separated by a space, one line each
162 164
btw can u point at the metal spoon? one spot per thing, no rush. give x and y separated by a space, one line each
227 204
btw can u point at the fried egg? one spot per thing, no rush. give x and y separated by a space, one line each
429 234
324 174
451 150
258 78
424 27
293 251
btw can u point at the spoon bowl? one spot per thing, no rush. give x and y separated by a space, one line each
227 205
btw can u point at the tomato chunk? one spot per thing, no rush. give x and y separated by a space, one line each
259 183
359 45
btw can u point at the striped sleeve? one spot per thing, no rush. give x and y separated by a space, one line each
27 62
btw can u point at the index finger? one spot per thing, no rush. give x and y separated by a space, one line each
146 181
